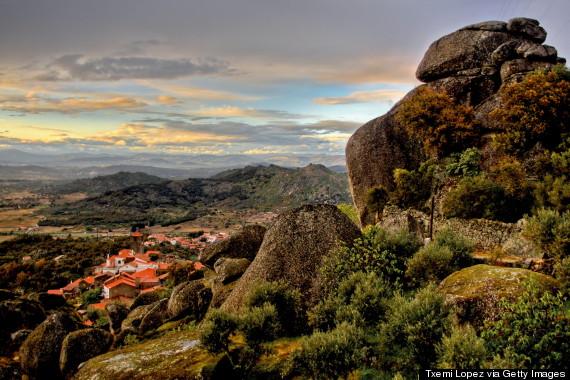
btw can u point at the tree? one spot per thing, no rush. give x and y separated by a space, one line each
536 110
91 296
444 126
376 199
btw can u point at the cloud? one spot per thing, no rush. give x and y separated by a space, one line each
139 47
168 99
74 67
201 94
71 106
375 96
250 112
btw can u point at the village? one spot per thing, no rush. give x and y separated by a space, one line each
136 270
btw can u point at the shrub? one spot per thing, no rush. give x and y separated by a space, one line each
562 274
376 199
466 163
536 110
379 251
91 296
332 354
434 117
413 329
534 331
459 246
260 324
553 192
430 264
461 349
287 302
448 253
413 187
549 231
215 335
360 299
481 197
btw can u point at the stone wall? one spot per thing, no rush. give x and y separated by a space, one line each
487 234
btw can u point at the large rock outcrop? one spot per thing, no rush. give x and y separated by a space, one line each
292 250
470 64
189 298
39 355
476 291
82 345
243 244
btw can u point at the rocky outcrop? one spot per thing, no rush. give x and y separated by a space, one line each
475 291
18 314
145 298
243 244
80 346
175 356
39 355
134 318
229 270
470 64
190 298
117 314
155 316
292 250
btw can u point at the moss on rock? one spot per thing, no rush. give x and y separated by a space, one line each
476 291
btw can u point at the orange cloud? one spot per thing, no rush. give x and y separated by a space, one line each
71 106
168 99
375 96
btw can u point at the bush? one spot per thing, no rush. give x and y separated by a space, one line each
553 192
379 251
534 331
413 187
534 111
562 274
287 302
481 197
430 264
449 252
360 299
91 296
332 354
413 329
260 324
462 349
215 335
376 199
442 125
466 163
549 231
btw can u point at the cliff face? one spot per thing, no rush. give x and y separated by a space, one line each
470 64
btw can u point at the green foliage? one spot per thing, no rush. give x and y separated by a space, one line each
536 110
91 296
287 302
443 126
448 253
332 354
550 232
553 192
483 197
462 349
459 246
215 334
534 331
260 324
466 163
413 187
350 211
361 299
376 199
432 263
179 273
562 274
130 340
379 251
412 330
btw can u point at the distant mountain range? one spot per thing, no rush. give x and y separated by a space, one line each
264 188
16 164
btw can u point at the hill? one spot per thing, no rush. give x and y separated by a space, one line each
261 188
106 183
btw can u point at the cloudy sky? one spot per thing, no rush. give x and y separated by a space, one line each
221 76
